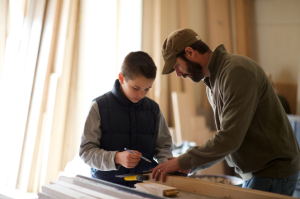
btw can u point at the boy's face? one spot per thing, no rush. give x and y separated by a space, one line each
136 89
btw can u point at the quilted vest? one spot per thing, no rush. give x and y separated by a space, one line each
127 125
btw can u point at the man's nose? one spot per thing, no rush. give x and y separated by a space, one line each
178 72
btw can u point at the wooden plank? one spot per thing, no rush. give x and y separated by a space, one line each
244 10
175 85
35 179
173 135
183 112
60 192
178 124
98 187
71 143
38 100
46 137
182 194
216 190
158 189
201 133
29 51
63 68
83 190
45 196
144 189
219 24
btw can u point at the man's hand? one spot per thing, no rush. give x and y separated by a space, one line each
169 166
127 159
181 170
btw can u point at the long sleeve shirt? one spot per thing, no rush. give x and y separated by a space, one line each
90 148
253 134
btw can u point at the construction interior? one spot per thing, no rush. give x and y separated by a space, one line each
56 56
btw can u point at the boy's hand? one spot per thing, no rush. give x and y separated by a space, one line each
127 159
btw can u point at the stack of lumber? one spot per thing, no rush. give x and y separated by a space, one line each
60 189
174 186
84 187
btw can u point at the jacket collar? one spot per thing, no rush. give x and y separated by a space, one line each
116 91
214 63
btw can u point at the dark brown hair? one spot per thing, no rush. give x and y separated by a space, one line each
200 46
138 63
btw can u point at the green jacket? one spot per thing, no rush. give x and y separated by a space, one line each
253 134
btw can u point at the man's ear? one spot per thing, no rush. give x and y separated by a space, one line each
121 78
189 52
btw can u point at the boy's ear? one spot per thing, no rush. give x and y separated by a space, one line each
121 78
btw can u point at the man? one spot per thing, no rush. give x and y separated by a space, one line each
253 132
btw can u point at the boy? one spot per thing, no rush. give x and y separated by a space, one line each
126 118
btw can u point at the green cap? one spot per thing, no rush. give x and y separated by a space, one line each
174 44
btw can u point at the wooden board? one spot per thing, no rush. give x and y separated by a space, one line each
83 190
63 69
28 59
101 188
216 190
144 189
40 90
57 191
182 114
157 189
244 10
219 24
45 196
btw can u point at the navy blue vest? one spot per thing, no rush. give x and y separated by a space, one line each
127 125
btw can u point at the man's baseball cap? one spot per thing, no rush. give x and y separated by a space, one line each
174 44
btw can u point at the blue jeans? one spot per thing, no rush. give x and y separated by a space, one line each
284 186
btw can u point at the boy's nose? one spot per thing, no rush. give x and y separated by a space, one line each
142 94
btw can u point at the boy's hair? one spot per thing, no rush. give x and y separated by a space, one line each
138 63
200 46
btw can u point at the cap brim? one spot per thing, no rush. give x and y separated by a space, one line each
168 67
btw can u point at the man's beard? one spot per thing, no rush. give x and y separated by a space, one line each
195 70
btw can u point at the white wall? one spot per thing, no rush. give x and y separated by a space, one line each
277 38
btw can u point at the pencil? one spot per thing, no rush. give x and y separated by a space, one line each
135 153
